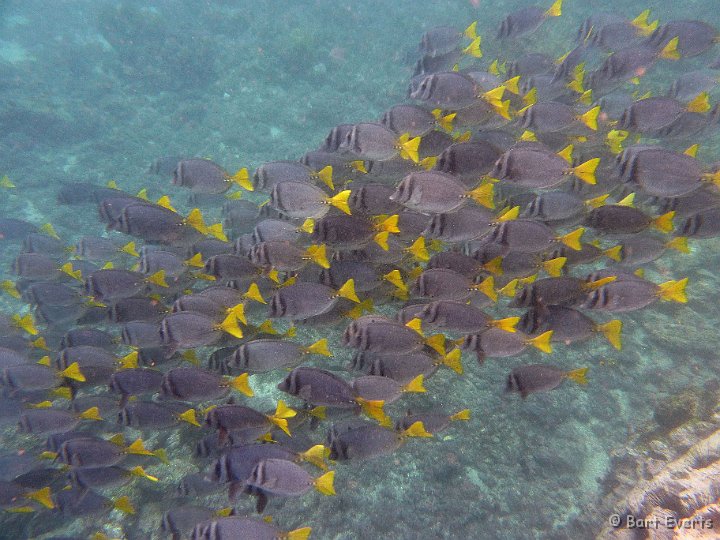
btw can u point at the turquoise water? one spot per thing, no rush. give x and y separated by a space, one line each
93 91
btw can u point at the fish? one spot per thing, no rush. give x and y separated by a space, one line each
623 219
650 115
463 224
46 421
227 528
556 291
270 174
238 417
531 378
286 257
703 224
15 229
195 384
97 452
165 165
693 37
153 223
550 117
402 368
100 477
303 300
625 295
151 415
378 334
205 176
410 119
187 329
134 382
434 192
116 284
301 200
526 20
537 168
385 389
497 343
352 232
568 325
281 478
433 422
446 315
377 142
454 91
261 355
359 441
468 161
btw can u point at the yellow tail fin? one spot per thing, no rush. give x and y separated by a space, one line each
554 266
348 291
42 496
140 472
572 239
508 324
673 291
699 104
453 360
555 10
124 505
542 342
419 251
395 278
190 417
416 385
567 152
340 201
474 48
242 179
319 347
26 323
586 171
230 326
512 85
670 52
590 118
679 243
484 195
326 175
461 415
241 383
316 456
324 484
158 278
664 222
73 372
253 293
303 533
318 255
487 287
409 148
471 31
612 330
509 215
578 375
93 413
417 429
510 289
614 253
692 150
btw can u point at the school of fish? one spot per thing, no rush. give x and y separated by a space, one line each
506 204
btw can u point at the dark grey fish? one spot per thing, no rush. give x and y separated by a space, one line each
526 20
468 161
151 415
620 219
440 40
195 384
343 232
446 90
35 266
464 224
355 441
402 368
141 334
227 267
410 119
114 284
364 275
374 141
15 229
535 168
532 236
568 325
433 422
435 192
262 355
187 330
47 421
165 165
41 243
650 115
90 452
373 199
239 215
156 224
704 224
281 478
497 343
135 382
336 137
301 200
694 37
201 176
269 174
541 378
382 335
229 528
96 363
303 300
319 387
271 230
624 295
688 85
385 389
181 520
